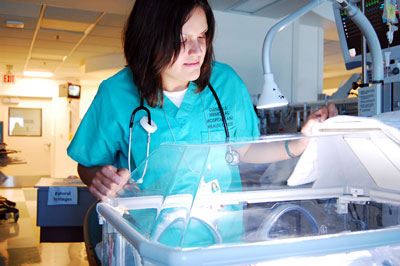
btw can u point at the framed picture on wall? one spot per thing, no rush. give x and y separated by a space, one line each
25 122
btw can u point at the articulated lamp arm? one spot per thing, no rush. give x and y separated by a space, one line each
271 96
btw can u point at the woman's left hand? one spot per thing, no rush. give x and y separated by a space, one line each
317 117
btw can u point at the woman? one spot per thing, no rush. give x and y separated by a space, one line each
169 54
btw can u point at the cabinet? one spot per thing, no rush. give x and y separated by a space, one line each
62 223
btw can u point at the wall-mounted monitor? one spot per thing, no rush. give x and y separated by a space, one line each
350 36
74 91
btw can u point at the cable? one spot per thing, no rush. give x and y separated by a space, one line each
269 222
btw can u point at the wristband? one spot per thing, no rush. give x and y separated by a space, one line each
291 155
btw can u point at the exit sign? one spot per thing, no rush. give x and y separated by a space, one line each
8 78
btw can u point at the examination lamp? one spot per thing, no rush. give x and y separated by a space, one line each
271 96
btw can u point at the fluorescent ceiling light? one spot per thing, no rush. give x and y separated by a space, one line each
64 25
38 74
14 24
46 57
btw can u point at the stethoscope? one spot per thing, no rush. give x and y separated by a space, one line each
231 156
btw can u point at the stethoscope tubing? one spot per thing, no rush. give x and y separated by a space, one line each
142 107
221 111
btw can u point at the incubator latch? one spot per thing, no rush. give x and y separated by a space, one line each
353 195
355 192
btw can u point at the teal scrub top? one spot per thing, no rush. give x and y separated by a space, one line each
103 135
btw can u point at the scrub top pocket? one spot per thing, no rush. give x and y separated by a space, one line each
217 135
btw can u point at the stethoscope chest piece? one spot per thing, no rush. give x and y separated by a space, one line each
232 157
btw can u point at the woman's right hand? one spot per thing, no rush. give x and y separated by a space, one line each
319 116
108 181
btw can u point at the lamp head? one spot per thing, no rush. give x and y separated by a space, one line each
271 96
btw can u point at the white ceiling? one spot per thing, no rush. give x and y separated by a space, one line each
62 36
58 36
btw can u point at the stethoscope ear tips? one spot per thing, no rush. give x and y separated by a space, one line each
150 128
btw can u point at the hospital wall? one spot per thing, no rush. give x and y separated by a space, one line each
41 155
297 61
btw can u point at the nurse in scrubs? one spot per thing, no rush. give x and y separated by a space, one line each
170 68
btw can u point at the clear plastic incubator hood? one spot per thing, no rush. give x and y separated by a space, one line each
339 201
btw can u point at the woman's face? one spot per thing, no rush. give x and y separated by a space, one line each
188 64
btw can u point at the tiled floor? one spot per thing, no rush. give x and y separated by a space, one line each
19 242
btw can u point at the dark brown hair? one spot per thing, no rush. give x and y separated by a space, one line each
152 40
